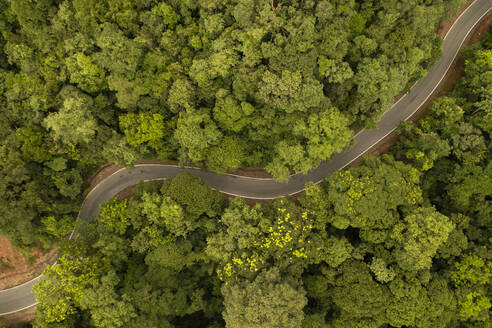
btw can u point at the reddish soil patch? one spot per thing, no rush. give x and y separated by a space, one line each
480 29
454 74
259 172
445 25
156 161
21 316
101 173
125 194
15 269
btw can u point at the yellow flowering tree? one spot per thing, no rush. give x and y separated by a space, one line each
369 197
65 282
278 234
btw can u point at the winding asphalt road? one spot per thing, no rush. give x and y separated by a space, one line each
21 297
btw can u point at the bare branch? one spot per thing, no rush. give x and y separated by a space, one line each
275 9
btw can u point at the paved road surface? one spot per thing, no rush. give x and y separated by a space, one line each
21 297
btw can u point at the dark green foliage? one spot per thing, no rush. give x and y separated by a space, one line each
400 241
370 197
141 263
269 301
194 195
222 84
265 84
451 146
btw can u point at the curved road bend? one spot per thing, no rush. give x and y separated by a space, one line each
21 297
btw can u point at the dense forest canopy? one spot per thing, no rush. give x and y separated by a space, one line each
402 240
220 84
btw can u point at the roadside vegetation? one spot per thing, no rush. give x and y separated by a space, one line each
403 240
221 84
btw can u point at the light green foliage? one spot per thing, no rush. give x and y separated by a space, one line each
173 217
381 272
227 155
290 92
474 90
214 24
30 140
357 24
291 154
376 86
19 220
333 71
73 123
446 117
270 301
442 307
472 270
24 96
451 141
255 68
58 228
143 128
408 303
239 230
317 141
231 114
471 276
167 13
128 93
429 149
325 133
114 217
181 95
142 262
336 251
118 150
315 199
449 144
363 46
474 305
174 256
57 164
22 55
423 232
226 84
68 183
196 133
151 234
250 240
194 195
222 62
118 54
404 301
362 198
85 74
469 188
457 240
72 274
442 134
